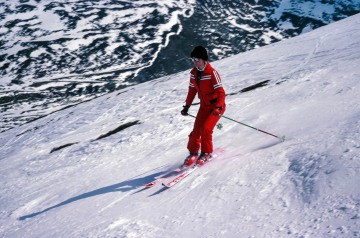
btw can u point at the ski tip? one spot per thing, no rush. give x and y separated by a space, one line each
282 139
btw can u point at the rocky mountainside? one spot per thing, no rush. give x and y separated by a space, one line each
60 53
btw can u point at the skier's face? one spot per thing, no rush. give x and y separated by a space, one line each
198 63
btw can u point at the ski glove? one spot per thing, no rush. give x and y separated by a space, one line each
185 110
216 111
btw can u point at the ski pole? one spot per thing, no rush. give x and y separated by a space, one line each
282 138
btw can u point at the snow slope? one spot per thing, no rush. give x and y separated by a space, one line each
79 172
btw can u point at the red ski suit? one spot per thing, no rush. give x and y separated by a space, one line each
207 84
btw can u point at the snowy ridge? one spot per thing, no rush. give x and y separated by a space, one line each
308 186
89 49
86 50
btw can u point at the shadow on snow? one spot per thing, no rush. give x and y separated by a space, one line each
125 186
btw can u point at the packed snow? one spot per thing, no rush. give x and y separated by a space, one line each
80 172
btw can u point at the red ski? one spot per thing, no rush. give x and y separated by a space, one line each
166 175
181 176
189 170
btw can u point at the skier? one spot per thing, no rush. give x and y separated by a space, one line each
205 81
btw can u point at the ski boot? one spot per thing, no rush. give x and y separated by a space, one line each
203 158
190 159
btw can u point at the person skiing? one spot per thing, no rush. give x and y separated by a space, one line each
205 81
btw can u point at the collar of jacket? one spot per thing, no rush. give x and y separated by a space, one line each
202 68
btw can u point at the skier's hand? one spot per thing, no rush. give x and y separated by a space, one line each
217 111
185 110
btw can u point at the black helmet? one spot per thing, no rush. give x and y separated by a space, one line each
199 52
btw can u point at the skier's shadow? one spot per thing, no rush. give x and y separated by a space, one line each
125 186
159 191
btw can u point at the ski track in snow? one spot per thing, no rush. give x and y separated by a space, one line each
306 186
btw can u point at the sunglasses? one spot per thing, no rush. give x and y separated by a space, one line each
195 59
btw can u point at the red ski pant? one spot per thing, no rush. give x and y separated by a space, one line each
201 135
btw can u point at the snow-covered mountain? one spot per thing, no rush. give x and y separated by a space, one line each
55 54
80 172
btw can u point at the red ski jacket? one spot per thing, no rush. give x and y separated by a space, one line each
207 84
